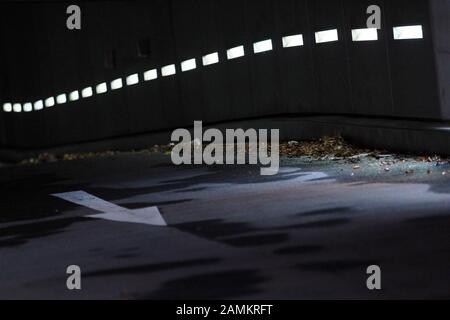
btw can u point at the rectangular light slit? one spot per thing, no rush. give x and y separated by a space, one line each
235 52
292 41
116 84
27 107
211 58
50 102
38 105
370 34
17 107
62 98
101 88
408 32
326 36
7 107
168 70
187 65
132 79
262 46
86 92
74 95
150 75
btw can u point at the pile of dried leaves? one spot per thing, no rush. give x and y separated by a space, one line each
328 147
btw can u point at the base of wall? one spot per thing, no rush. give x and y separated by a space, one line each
408 136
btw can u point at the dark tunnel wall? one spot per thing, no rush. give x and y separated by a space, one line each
441 32
40 57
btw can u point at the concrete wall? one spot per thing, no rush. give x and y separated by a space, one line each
441 32
39 58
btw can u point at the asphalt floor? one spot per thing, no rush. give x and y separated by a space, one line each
309 232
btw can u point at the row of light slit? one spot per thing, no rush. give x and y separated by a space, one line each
368 34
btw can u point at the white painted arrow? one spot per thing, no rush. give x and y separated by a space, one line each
113 212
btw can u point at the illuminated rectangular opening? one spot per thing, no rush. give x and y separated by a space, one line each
50 102
235 52
408 32
150 75
132 79
210 58
116 84
7 107
17 107
86 92
187 65
295 40
262 46
369 34
27 107
62 98
101 88
168 70
38 105
326 36
74 95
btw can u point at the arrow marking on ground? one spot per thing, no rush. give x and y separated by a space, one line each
113 212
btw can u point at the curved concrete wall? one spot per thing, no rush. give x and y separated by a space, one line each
41 58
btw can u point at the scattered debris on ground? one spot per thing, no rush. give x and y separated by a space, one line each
326 149
336 149
50 157
357 161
